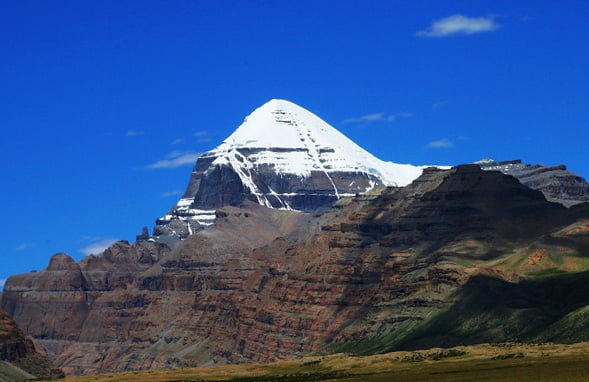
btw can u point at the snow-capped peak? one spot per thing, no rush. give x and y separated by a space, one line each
282 156
293 140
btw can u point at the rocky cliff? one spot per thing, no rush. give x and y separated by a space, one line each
119 310
558 184
19 359
387 269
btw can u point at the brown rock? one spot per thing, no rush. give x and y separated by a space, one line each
20 351
538 257
265 284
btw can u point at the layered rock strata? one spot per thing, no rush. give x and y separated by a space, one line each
284 157
558 184
19 358
262 284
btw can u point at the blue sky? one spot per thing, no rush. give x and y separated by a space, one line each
103 105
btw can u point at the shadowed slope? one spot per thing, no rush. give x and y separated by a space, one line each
375 272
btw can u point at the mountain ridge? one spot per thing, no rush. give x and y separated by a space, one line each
377 272
256 263
282 156
556 182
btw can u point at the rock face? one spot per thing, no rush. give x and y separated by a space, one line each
104 313
556 183
60 300
392 268
291 239
23 358
13 344
284 157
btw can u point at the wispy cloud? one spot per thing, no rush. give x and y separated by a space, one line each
97 247
2 283
459 25
373 117
174 159
376 117
168 194
440 144
23 246
202 136
134 133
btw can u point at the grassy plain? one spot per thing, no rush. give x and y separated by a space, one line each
496 362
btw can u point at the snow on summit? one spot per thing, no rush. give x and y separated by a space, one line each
296 141
282 156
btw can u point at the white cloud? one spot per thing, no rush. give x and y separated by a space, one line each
377 117
23 246
178 141
167 194
2 283
98 247
368 118
175 159
202 136
134 133
440 144
459 25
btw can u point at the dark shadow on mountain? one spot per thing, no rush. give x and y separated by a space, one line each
492 310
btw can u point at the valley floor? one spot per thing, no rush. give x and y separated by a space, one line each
497 362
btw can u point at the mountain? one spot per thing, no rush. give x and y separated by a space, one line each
458 256
282 156
290 240
556 183
19 359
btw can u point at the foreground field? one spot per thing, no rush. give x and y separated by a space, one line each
499 362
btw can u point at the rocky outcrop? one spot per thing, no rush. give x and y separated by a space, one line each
114 311
13 344
59 300
262 284
24 360
556 183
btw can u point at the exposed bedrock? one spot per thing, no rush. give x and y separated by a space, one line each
262 284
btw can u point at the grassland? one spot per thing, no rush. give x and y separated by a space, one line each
498 362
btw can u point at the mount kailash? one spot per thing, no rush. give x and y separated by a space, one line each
284 156
287 243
